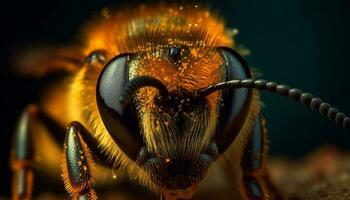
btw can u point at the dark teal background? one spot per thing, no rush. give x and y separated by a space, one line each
303 43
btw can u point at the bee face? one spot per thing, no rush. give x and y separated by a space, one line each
173 133
171 137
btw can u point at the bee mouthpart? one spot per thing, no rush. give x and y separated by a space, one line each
178 175
174 194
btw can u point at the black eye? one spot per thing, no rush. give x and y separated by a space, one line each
97 56
178 53
120 121
236 103
175 53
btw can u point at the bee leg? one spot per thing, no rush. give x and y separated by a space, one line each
77 164
22 150
256 182
22 158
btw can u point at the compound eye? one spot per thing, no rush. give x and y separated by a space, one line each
120 121
236 103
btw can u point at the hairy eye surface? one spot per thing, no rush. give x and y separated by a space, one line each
236 102
119 120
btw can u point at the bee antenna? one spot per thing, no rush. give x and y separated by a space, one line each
304 98
140 82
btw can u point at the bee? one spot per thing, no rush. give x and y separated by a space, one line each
157 96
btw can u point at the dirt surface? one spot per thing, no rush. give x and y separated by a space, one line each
322 175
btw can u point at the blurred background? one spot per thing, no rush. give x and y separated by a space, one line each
303 43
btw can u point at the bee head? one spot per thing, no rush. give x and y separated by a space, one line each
149 105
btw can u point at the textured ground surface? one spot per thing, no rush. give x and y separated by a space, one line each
321 175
